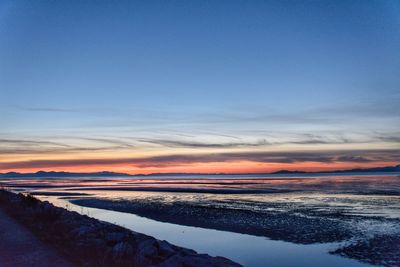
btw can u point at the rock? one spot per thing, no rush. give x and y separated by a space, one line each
83 230
90 242
97 243
47 206
176 261
140 260
223 262
122 249
148 248
115 237
165 248
197 261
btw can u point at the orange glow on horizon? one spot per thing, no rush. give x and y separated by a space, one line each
214 167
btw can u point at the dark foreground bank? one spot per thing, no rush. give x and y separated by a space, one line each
88 242
19 247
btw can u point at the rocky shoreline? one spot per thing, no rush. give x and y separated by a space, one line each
86 241
298 224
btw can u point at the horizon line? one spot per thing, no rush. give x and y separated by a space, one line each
209 173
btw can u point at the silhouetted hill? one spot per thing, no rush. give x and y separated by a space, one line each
378 169
288 172
105 174
372 170
53 174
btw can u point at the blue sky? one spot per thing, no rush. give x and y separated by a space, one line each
217 72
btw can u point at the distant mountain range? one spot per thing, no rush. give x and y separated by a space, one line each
377 169
53 174
44 174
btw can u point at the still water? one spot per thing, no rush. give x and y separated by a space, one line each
252 251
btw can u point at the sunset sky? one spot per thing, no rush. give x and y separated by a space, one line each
199 86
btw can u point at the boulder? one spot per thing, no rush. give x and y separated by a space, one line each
148 248
122 249
165 248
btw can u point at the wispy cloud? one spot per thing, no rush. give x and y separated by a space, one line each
84 110
49 109
113 141
193 144
76 144
389 138
182 159
299 139
28 142
272 157
27 146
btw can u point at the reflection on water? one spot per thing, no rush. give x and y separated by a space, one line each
245 249
375 199
367 184
349 204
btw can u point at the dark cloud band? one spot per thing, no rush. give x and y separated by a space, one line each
358 156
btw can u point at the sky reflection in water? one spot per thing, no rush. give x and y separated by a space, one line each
370 196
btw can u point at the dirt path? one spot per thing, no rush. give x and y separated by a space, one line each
20 248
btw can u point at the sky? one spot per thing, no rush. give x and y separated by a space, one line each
199 86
